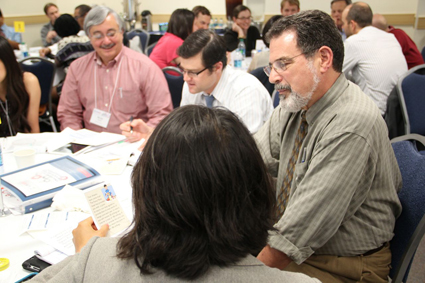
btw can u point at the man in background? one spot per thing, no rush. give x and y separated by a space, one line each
14 38
337 7
80 13
289 7
410 50
48 34
373 58
202 18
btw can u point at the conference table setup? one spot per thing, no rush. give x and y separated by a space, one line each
92 181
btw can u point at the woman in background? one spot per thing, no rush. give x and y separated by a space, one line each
19 95
179 27
242 28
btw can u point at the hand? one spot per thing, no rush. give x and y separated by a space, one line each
140 131
274 258
238 29
86 230
44 51
50 35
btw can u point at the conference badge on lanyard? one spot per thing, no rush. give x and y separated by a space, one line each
100 118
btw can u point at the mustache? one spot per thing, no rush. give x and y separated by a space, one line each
282 87
107 46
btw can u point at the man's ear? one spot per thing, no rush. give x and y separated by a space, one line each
326 58
218 66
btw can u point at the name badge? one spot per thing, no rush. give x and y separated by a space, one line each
100 118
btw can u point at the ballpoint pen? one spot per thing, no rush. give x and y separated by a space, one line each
131 127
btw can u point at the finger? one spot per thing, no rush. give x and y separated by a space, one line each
125 126
103 231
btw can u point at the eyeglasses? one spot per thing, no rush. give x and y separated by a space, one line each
109 34
191 74
279 65
245 18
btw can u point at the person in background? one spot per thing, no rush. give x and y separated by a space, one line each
196 221
106 87
80 13
19 95
202 18
262 59
179 28
327 145
14 38
337 7
242 28
373 58
289 7
410 50
48 34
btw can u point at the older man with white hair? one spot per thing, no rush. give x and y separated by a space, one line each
112 84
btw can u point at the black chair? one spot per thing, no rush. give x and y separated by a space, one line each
143 35
410 226
175 84
150 48
411 91
264 79
44 70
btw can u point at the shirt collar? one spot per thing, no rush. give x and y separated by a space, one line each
221 85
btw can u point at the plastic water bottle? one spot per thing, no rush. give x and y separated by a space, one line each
1 162
237 63
242 48
24 49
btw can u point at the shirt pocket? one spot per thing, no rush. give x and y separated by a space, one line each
299 173
128 100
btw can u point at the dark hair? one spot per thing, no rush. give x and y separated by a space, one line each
66 25
348 2
201 9
201 194
83 9
314 29
291 2
16 94
47 6
361 13
238 9
211 45
1 14
268 25
181 23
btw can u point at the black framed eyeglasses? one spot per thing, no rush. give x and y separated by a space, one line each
191 74
279 65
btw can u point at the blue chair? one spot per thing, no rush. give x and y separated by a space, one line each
144 37
44 70
150 48
411 91
276 99
175 84
264 79
410 226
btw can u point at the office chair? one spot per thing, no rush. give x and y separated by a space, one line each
44 70
150 48
411 91
175 84
144 37
410 226
264 79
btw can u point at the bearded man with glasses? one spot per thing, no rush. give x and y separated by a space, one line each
327 146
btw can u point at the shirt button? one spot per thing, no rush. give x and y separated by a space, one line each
106 104
106 87
107 70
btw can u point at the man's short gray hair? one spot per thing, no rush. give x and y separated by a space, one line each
97 15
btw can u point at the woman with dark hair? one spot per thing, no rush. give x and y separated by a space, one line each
179 27
203 203
242 28
19 95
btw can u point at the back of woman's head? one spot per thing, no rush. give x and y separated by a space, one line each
181 23
268 25
201 195
66 25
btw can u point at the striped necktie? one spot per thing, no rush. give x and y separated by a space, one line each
209 99
282 199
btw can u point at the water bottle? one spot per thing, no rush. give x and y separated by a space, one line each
237 63
221 23
1 161
24 49
242 48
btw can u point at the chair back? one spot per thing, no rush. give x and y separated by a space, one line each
264 79
72 51
411 90
143 35
175 84
150 48
410 226
275 99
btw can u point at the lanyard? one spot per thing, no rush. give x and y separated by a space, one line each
115 87
6 111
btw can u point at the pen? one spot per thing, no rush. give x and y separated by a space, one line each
304 155
131 127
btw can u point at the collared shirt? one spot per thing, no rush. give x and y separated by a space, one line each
43 33
241 93
9 33
141 91
343 199
410 50
374 61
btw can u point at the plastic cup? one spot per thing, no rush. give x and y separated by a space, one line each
24 157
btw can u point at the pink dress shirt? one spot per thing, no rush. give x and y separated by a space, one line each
141 91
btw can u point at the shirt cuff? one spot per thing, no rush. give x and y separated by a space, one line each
279 242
